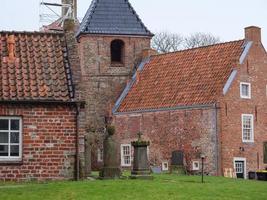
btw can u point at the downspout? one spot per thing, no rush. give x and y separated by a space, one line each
77 160
217 140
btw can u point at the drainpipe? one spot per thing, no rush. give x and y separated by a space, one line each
77 160
217 141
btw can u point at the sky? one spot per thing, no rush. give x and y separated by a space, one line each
223 18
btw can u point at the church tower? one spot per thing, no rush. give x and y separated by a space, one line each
111 40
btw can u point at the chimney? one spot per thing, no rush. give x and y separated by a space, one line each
11 47
253 33
146 53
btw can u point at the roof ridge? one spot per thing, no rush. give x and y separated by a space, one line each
138 18
32 32
201 47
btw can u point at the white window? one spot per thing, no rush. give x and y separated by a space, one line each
245 90
10 139
247 128
196 165
165 166
100 154
126 155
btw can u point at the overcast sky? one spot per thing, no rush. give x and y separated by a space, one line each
223 18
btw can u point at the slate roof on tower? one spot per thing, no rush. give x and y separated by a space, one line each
116 17
34 66
184 78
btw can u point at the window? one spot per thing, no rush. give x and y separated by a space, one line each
247 128
125 155
245 90
116 50
265 152
10 138
100 154
165 166
196 165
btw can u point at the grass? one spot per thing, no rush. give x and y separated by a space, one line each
163 186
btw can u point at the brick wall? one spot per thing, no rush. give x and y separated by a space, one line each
254 71
49 141
193 131
102 82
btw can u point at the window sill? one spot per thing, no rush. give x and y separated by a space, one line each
248 142
6 162
117 65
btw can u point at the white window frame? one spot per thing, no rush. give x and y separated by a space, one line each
194 167
12 158
123 164
165 166
100 155
252 127
249 90
245 165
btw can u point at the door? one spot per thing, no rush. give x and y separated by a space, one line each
240 169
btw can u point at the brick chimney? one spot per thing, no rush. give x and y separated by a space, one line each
253 33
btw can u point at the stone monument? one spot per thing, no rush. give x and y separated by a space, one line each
141 165
111 169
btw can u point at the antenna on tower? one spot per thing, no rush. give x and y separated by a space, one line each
51 11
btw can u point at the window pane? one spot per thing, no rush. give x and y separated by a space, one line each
15 124
14 150
245 90
3 150
3 124
3 137
14 138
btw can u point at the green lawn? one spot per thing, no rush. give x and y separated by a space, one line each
162 187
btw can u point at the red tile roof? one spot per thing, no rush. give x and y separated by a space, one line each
34 66
183 78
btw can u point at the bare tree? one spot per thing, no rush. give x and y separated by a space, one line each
165 42
200 39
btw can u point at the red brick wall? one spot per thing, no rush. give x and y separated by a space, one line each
102 82
48 143
193 131
254 71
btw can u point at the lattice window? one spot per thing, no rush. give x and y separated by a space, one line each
247 128
126 155
10 138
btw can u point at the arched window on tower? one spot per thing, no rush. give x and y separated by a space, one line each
117 51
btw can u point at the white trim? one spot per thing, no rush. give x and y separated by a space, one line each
229 81
249 90
252 127
165 166
245 165
12 158
245 52
123 164
194 167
